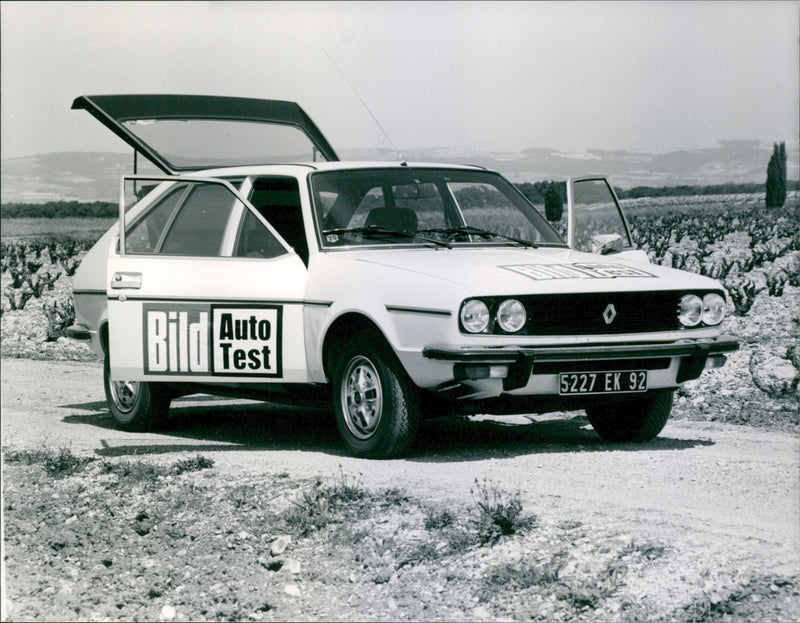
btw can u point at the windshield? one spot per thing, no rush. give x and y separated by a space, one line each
441 207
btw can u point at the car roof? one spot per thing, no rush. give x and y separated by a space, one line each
301 169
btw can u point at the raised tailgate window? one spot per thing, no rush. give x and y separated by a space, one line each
200 225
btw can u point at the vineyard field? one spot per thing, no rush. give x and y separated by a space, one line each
81 228
754 252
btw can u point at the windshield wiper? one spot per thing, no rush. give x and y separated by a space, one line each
375 230
467 230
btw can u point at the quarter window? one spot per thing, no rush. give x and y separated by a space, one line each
143 237
255 240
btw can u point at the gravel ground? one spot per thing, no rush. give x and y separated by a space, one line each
253 537
242 511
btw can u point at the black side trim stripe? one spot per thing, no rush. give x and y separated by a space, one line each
95 292
418 310
206 299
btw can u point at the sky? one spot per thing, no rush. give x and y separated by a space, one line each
495 76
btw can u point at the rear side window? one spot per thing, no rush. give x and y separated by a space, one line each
199 227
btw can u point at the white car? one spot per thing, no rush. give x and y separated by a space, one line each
259 265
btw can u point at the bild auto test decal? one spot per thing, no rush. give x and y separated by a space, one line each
203 339
541 272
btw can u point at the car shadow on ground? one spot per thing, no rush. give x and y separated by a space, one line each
451 439
267 426
240 427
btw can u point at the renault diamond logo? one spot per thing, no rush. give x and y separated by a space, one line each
609 313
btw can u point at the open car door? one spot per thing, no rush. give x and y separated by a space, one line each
596 223
201 289
184 133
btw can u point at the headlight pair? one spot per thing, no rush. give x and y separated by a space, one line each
709 310
510 316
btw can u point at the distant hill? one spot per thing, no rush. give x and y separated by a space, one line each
94 176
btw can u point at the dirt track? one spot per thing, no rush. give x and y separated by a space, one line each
724 481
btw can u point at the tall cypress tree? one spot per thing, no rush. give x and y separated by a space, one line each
775 196
553 204
782 167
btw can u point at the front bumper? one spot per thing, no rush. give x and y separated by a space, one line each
522 360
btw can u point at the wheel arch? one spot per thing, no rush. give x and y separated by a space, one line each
104 337
344 327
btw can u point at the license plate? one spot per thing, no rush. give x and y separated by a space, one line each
620 382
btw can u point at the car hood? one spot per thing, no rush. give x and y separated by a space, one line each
504 271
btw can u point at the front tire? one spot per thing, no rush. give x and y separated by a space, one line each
637 420
377 406
136 405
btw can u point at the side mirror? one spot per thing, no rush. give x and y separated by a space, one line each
603 244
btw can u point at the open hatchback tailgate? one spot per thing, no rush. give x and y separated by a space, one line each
184 133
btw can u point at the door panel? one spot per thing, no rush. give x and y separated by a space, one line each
204 317
201 318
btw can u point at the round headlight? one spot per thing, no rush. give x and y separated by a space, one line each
691 310
511 315
714 308
475 316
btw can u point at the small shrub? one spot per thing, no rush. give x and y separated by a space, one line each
320 504
527 572
41 281
18 297
242 496
56 463
192 465
742 292
310 511
60 314
439 518
393 496
135 471
347 488
776 282
498 513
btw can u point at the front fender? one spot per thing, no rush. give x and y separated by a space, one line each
409 309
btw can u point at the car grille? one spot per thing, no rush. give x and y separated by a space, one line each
593 314
601 365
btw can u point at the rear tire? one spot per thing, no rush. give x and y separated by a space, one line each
136 405
637 420
377 406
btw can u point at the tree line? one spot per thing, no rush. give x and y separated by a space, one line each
60 209
536 192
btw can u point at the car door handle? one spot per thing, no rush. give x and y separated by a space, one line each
126 281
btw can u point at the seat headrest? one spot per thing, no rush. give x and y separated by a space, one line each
400 219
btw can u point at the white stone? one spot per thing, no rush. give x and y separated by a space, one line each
280 544
292 590
292 566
